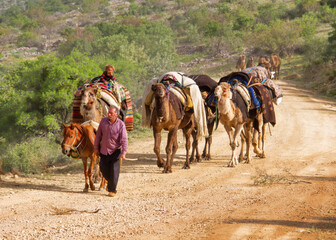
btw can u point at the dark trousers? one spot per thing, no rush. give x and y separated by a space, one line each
110 168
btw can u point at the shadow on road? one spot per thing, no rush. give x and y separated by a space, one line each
323 224
33 186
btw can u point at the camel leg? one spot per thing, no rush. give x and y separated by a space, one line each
175 147
233 146
194 147
170 142
208 141
209 146
256 141
263 139
86 187
243 141
248 129
93 158
187 134
204 154
157 143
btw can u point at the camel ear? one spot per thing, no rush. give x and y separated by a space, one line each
72 125
64 126
153 88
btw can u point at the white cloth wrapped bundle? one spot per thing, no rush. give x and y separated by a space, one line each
196 97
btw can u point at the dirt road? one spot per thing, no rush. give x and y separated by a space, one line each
290 194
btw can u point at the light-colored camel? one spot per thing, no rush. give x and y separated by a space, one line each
232 119
241 63
264 61
250 62
275 65
89 108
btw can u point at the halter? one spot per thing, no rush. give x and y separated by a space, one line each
74 149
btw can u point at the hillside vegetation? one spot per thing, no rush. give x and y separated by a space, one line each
50 47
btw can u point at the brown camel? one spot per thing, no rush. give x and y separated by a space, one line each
275 65
264 61
165 116
232 119
206 84
241 63
250 62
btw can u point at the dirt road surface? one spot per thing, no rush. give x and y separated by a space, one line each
290 194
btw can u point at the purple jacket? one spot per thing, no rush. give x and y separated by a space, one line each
111 136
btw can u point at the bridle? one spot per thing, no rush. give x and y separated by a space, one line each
74 149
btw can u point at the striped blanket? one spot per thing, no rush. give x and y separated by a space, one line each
120 92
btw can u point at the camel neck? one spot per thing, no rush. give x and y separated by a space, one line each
226 108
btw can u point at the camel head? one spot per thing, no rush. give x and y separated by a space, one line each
223 91
159 90
88 96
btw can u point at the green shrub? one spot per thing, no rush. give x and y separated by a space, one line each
28 39
307 23
243 22
32 156
213 29
314 50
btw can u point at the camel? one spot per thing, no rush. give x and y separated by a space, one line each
232 118
275 65
165 116
91 108
206 84
264 61
241 63
250 62
79 140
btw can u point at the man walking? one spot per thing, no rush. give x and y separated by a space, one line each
111 143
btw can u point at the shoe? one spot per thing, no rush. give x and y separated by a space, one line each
111 194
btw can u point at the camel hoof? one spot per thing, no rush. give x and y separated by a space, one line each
186 167
85 190
92 187
230 164
160 165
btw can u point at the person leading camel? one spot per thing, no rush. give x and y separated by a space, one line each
111 143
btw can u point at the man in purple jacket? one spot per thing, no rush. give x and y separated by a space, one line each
111 143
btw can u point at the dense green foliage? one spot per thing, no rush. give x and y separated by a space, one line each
74 39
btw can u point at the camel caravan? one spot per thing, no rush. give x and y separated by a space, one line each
241 101
91 103
271 64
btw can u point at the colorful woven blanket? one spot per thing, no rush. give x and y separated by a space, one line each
120 92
